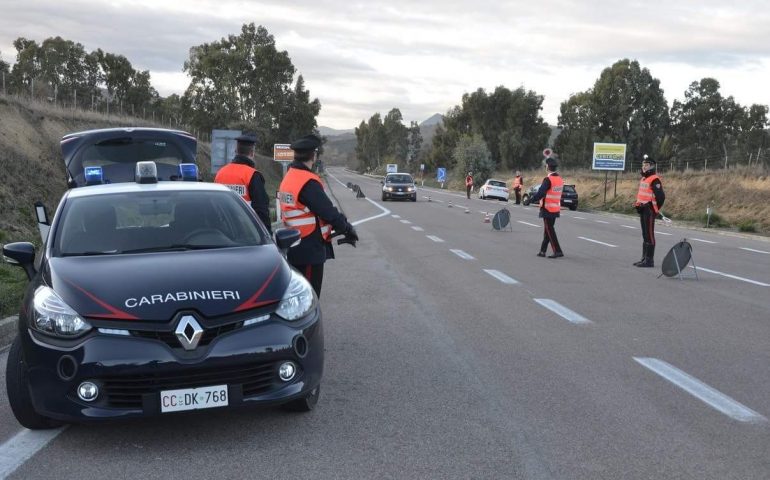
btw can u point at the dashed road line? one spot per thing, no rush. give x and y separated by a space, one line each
579 218
22 446
405 221
663 233
418 229
597 241
734 277
602 221
461 254
435 238
629 226
702 241
530 224
396 216
562 311
502 277
755 251
708 395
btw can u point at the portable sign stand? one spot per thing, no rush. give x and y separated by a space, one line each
501 220
676 261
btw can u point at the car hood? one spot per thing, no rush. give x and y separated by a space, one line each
395 184
154 286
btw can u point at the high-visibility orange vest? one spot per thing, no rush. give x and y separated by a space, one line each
645 193
552 199
468 181
236 177
293 213
517 182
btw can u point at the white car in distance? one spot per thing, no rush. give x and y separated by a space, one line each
494 189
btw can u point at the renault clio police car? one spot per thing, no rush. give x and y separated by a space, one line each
157 297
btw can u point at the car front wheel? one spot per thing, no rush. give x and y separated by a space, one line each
17 385
306 403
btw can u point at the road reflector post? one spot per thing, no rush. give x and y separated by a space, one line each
450 204
486 217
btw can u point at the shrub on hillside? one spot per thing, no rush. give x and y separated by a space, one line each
747 226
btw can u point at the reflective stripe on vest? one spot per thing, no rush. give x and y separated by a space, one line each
293 212
552 200
236 177
468 181
517 182
645 193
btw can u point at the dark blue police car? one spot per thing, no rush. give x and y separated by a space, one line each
154 297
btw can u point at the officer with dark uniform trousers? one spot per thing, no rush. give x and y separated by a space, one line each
243 178
649 200
549 196
469 184
518 184
306 207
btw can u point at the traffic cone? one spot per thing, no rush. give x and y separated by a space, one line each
467 210
486 217
429 198
450 204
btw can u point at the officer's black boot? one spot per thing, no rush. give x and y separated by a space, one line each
644 255
648 257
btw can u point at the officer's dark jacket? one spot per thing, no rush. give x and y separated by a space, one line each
313 250
544 187
260 202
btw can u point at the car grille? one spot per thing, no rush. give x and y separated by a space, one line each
127 391
169 337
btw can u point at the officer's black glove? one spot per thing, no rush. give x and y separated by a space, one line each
351 237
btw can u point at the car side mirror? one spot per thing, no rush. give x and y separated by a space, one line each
382 183
21 254
286 238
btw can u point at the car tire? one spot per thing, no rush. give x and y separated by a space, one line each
414 199
383 198
17 386
573 207
306 403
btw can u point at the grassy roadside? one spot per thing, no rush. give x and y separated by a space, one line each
13 281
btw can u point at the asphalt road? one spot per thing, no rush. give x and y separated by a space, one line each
454 352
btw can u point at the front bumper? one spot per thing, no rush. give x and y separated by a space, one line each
404 195
131 372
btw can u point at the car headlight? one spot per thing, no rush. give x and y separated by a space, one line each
410 189
388 189
298 299
54 317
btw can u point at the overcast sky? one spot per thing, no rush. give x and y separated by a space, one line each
359 58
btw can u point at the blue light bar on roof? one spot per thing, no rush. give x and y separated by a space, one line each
188 172
94 175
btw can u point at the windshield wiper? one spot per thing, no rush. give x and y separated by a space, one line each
178 247
89 253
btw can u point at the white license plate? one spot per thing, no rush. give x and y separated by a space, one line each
193 398
567 201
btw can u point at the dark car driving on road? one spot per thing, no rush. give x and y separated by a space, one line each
399 186
569 196
159 297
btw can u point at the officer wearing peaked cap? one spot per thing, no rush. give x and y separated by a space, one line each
549 196
306 207
243 178
649 200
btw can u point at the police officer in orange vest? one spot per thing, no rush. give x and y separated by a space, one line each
306 207
243 178
518 184
549 195
469 184
649 200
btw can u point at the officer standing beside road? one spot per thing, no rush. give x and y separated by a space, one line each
518 184
469 184
243 178
649 201
549 196
306 207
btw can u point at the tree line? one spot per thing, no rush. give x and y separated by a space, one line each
503 130
238 82
380 141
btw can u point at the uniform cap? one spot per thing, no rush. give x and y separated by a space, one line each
551 162
306 144
647 159
247 138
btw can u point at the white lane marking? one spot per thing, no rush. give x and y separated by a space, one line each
602 221
629 226
701 240
530 224
597 241
22 446
701 391
502 277
734 277
755 251
405 221
461 254
396 216
579 218
663 233
418 229
435 238
385 211
562 311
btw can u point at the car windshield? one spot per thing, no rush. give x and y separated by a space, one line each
154 221
399 179
569 189
118 157
496 183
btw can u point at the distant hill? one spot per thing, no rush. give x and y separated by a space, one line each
434 119
330 132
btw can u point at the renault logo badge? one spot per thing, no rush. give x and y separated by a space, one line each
188 332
